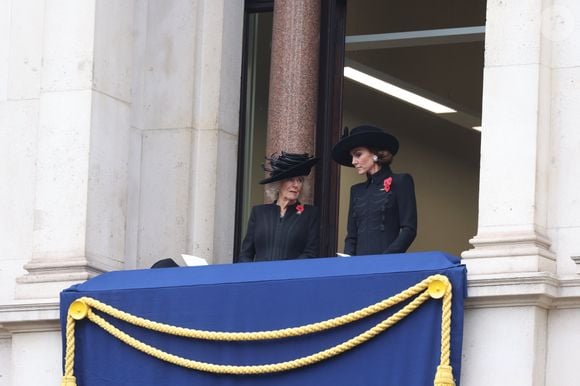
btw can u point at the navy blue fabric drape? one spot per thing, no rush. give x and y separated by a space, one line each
266 296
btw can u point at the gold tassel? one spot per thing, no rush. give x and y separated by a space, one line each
68 381
444 376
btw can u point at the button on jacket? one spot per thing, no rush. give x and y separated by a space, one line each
271 237
381 222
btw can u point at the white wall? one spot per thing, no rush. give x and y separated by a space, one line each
19 109
504 346
119 123
563 347
563 174
36 358
6 362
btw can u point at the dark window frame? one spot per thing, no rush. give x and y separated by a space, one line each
254 6
329 118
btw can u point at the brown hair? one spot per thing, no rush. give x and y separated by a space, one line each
385 157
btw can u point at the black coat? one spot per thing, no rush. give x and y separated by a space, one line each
271 237
381 222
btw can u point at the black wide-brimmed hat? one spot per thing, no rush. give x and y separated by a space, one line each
288 165
368 136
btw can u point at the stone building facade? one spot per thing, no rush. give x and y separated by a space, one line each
119 133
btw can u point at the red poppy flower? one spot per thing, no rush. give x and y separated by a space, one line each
299 209
387 183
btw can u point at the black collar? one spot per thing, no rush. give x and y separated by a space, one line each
380 176
275 204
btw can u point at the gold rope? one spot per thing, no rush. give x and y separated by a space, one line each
69 379
262 335
435 286
444 374
260 369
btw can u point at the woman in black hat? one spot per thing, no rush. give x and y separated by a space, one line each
285 229
382 215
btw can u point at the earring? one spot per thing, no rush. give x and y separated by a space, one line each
375 158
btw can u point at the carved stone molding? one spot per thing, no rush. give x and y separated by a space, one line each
576 260
29 317
46 278
541 289
510 251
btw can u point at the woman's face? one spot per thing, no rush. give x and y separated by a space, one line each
362 160
290 188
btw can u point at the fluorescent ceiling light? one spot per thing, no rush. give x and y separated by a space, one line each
395 91
478 128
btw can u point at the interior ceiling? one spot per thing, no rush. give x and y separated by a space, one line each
380 16
450 73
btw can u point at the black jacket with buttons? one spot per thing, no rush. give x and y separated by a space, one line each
381 222
271 237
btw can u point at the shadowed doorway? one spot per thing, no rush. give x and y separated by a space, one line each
433 50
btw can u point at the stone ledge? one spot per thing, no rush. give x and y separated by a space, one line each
33 316
58 270
47 278
513 251
576 260
541 289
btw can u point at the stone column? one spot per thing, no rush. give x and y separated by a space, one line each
294 80
512 234
80 189
215 129
67 105
511 267
185 126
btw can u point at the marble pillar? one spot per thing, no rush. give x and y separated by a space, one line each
294 80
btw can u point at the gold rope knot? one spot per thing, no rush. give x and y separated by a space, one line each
68 381
438 287
444 376
78 309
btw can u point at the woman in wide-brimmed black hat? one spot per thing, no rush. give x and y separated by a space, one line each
285 229
382 215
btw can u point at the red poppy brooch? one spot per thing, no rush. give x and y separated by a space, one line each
387 184
299 209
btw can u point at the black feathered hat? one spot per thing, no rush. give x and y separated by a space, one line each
288 165
368 136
